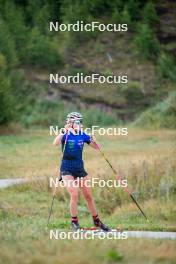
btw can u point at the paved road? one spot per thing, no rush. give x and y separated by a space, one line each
114 234
9 182
152 234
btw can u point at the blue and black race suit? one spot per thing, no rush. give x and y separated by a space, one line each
72 162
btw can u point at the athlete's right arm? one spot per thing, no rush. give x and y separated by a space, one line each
58 139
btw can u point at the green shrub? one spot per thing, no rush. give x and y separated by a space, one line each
42 51
22 91
116 16
163 115
149 14
14 19
15 95
166 66
146 42
6 100
80 10
45 113
133 9
42 18
114 256
3 62
41 113
73 71
7 45
71 13
125 17
132 92
99 117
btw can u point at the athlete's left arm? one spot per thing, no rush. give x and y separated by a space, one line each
93 142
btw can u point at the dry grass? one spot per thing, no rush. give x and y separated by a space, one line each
84 252
32 153
146 159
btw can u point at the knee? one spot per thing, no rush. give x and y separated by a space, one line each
88 197
74 195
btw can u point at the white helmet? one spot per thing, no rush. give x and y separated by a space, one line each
74 116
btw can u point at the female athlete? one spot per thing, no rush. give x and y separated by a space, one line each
72 170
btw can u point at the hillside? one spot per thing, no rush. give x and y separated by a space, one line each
126 100
29 53
144 88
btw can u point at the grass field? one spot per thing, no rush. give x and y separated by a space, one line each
145 158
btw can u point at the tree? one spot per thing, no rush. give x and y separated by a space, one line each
146 42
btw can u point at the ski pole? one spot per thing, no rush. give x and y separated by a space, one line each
126 188
52 203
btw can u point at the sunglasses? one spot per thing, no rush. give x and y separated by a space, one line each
77 122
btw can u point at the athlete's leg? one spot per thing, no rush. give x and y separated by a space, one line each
73 191
88 196
86 190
